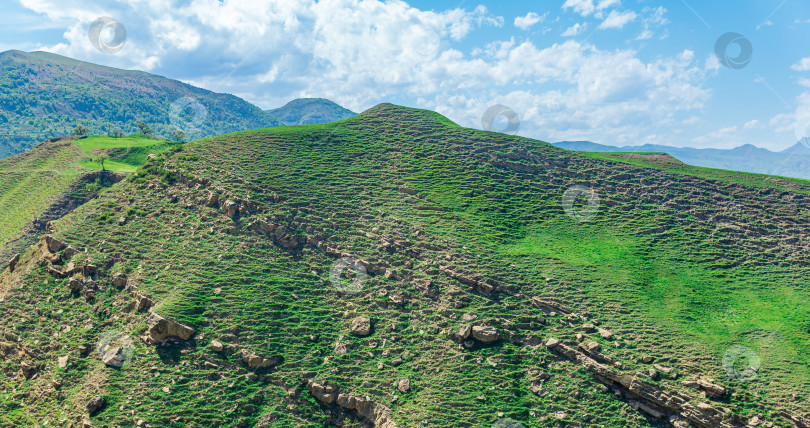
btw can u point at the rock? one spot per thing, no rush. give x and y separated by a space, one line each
463 333
70 252
160 328
13 262
96 404
710 387
605 333
54 245
122 221
593 346
216 345
75 285
485 334
551 343
662 369
361 326
231 208
323 392
144 303
114 357
404 386
646 359
255 362
213 198
119 281
62 362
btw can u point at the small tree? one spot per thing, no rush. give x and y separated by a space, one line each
101 158
118 133
144 129
178 135
80 130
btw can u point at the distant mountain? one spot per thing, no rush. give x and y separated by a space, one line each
44 95
305 111
791 162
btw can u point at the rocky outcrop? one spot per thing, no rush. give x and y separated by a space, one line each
255 362
485 334
13 262
485 287
376 414
114 357
361 326
160 329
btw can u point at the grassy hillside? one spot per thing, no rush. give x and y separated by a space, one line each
43 95
487 304
56 176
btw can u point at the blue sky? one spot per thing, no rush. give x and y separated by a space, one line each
616 72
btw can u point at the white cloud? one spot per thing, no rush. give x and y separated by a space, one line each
752 124
588 7
531 18
652 19
574 29
719 137
618 19
363 53
802 65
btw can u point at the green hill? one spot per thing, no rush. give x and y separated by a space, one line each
44 95
396 270
56 176
308 111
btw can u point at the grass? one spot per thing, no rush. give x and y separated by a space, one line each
678 263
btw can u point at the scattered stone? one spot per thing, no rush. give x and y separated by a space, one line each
662 369
122 221
551 343
160 328
256 362
593 346
605 333
216 345
463 333
119 281
361 326
469 317
114 357
13 262
231 208
96 404
213 198
485 334
404 386
647 359
62 362
54 245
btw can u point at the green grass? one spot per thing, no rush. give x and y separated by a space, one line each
679 266
127 153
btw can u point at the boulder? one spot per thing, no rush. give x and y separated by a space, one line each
216 345
95 404
54 245
114 357
485 334
361 326
70 252
662 369
160 329
256 362
212 200
13 262
231 208
551 343
404 386
463 333
119 281
75 285
605 333
711 388
324 392
62 362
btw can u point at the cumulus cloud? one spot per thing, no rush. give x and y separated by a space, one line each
531 18
588 7
802 65
574 30
360 53
618 19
